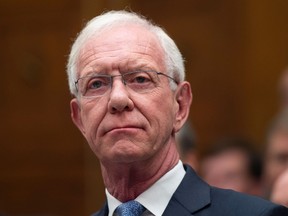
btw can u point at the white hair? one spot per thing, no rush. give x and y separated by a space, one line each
173 59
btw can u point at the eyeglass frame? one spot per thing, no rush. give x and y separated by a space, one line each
122 77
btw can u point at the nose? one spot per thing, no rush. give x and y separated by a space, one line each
119 99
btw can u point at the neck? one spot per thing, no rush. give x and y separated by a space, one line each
127 181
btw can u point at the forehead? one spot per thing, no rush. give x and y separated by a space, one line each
278 142
122 46
236 155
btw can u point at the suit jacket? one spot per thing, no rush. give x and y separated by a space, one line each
195 197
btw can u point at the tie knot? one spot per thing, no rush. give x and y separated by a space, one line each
130 208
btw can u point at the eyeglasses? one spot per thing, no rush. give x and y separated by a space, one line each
141 82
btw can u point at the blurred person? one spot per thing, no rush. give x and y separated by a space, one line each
186 143
232 163
276 151
130 98
279 192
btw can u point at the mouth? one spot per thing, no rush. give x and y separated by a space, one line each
124 129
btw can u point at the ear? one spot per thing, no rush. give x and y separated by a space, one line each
76 114
184 100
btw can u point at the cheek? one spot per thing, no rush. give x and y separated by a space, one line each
158 109
91 115
167 111
161 117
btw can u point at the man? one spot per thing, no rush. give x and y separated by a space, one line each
276 151
127 77
232 163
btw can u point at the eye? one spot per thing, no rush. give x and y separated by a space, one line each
141 79
97 82
138 78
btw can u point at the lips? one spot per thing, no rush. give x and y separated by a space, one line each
123 128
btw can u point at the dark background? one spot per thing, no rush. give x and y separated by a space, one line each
235 53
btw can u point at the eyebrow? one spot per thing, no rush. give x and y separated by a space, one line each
93 73
136 65
129 65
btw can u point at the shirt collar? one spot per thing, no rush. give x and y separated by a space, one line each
156 198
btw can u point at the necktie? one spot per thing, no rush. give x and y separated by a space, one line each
131 208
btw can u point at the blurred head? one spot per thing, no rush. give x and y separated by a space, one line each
276 151
280 189
120 69
233 164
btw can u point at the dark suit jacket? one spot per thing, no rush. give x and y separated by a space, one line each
195 197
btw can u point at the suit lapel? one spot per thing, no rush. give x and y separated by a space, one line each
192 195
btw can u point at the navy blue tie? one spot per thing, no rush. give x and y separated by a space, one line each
131 208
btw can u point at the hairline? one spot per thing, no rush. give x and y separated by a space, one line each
174 65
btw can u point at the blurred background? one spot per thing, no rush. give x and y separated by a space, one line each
235 54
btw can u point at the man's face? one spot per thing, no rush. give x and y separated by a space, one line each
125 126
276 157
228 170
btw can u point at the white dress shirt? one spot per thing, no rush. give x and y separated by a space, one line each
156 198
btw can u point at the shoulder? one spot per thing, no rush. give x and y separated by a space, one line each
230 202
239 201
202 199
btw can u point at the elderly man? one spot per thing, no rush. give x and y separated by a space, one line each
127 76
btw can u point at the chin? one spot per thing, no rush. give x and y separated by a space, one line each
127 157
